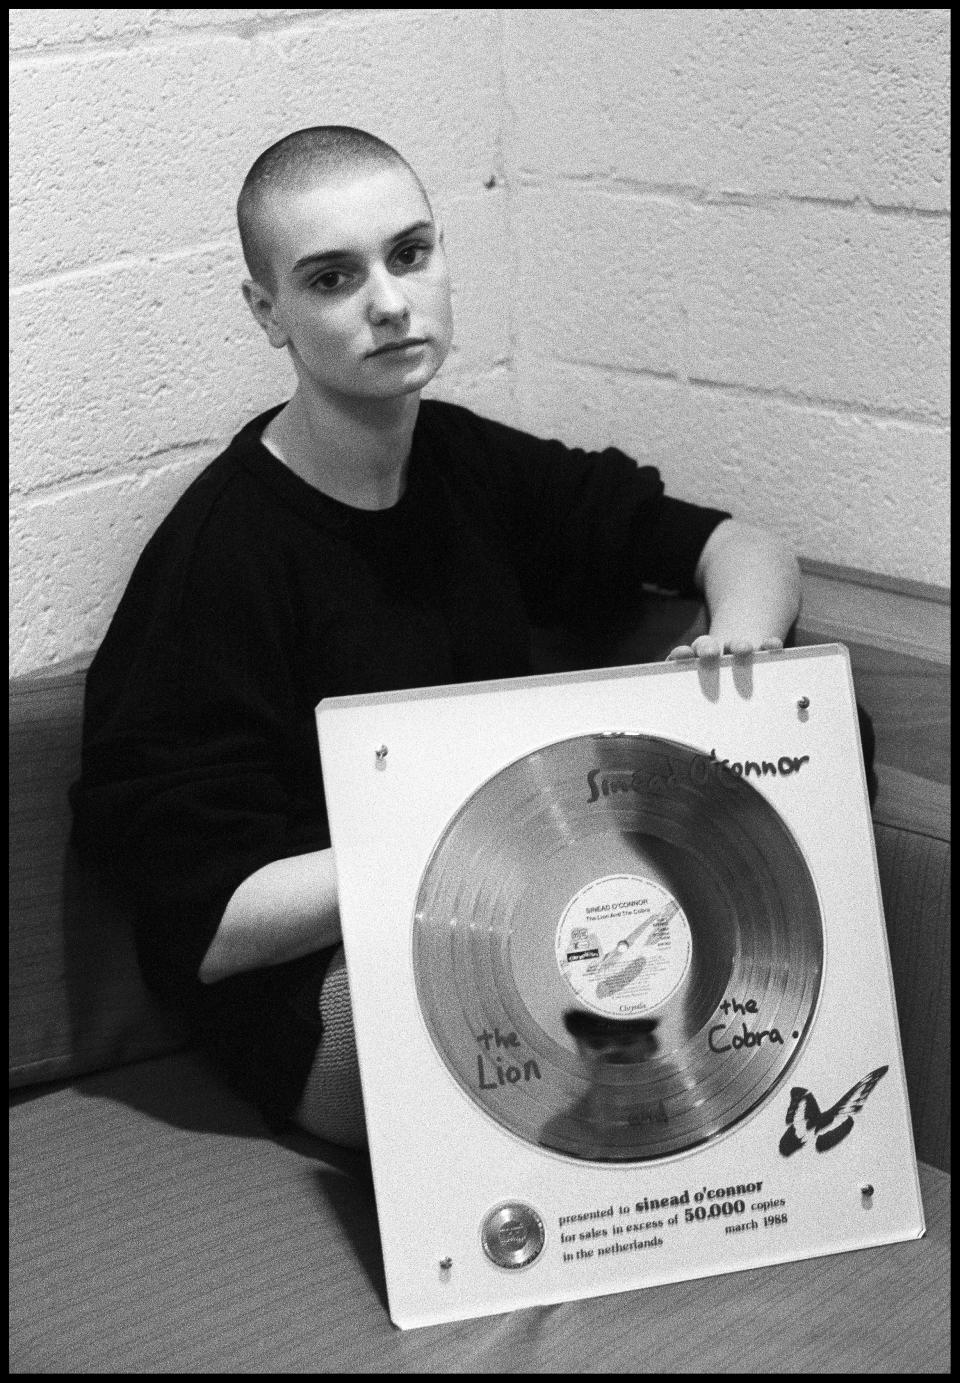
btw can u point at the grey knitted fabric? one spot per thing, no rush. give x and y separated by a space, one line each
331 1105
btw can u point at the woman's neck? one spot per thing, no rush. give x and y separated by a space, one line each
359 457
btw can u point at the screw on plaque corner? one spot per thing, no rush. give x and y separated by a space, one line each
803 704
866 1197
381 756
446 1264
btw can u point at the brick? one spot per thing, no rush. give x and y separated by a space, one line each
905 59
859 491
839 306
597 277
108 369
74 554
127 153
593 408
478 258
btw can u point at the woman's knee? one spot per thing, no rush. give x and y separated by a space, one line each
331 1105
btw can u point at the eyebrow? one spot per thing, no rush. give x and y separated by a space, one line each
323 255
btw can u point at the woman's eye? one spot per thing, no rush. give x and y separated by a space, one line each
417 252
323 281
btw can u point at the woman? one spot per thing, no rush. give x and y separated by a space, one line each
351 540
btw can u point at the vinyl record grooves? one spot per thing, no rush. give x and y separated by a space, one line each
625 877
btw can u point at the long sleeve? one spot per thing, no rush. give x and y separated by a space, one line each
586 530
195 756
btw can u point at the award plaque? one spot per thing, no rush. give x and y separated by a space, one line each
620 979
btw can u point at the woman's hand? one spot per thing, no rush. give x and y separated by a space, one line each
709 649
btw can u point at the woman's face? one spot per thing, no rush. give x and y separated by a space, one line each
359 266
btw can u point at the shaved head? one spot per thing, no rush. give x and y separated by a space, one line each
299 161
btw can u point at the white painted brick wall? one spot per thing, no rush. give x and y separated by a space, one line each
717 239
731 231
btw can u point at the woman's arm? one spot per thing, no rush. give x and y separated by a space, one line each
285 910
751 581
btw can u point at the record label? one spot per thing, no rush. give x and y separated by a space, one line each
623 945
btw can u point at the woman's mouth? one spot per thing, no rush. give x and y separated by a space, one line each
400 347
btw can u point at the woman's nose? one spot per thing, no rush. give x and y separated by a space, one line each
387 298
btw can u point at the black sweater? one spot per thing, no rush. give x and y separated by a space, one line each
257 597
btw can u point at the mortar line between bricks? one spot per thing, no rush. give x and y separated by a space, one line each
58 277
695 195
89 484
91 47
812 403
803 402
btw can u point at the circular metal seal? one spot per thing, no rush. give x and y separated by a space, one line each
512 1235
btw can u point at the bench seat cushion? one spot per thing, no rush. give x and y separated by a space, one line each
156 1226
76 999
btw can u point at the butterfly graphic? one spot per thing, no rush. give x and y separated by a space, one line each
804 1118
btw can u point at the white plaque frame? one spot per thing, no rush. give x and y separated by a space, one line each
397 767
